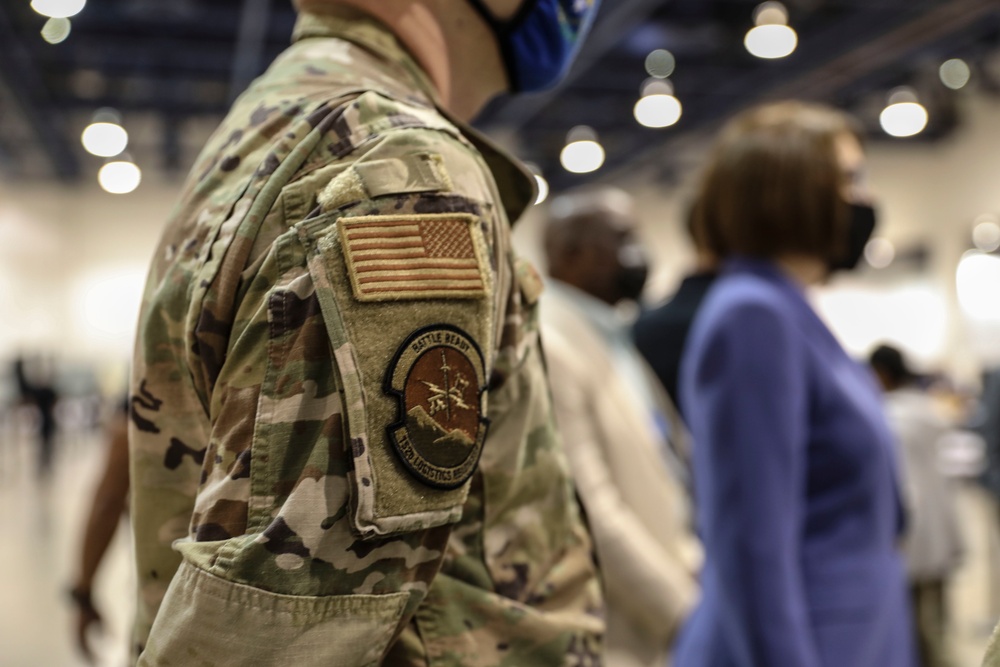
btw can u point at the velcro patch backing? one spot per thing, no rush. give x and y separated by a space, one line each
407 257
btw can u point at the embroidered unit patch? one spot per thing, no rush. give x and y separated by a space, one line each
393 258
439 379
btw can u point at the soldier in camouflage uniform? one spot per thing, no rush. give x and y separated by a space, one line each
342 442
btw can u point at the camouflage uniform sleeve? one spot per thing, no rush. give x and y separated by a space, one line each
992 657
349 414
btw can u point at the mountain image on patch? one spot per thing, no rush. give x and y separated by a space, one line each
450 448
439 380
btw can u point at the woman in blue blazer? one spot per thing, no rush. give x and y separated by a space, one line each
795 473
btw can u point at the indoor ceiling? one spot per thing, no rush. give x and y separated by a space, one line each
179 62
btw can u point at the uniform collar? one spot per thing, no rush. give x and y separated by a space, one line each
347 24
517 187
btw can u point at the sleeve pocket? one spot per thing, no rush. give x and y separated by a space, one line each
206 620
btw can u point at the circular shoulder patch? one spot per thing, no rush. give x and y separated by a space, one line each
439 379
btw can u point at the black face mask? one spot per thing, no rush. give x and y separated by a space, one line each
860 228
633 270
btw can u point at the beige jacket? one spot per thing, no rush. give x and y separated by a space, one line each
638 511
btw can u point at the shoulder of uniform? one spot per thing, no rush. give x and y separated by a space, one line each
379 146
376 113
340 63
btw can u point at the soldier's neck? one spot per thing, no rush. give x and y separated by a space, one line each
451 43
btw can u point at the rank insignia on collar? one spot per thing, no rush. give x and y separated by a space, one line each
439 379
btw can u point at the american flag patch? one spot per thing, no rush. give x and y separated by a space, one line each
393 258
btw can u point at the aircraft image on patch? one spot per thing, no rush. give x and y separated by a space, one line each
442 398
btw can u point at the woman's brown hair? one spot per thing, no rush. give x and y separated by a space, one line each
773 184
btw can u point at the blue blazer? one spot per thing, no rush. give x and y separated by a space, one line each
795 480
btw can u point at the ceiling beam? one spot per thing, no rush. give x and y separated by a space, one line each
828 75
899 46
250 43
156 102
24 81
25 84
8 160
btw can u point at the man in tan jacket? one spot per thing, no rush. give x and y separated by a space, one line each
617 424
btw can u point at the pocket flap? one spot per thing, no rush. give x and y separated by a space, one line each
195 625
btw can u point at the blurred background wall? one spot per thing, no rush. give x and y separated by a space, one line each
72 266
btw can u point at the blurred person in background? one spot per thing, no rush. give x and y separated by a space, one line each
795 470
661 333
616 422
932 544
987 425
40 392
318 477
106 509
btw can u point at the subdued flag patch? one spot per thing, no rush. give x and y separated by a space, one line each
392 258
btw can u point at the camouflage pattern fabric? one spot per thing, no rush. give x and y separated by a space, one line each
992 657
342 442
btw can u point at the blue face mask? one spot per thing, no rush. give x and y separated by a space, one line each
541 40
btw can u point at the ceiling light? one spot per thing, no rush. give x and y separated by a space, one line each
660 63
540 182
771 37
904 119
771 41
56 31
104 139
986 234
543 189
955 73
658 110
904 116
879 253
583 152
657 107
119 177
58 9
